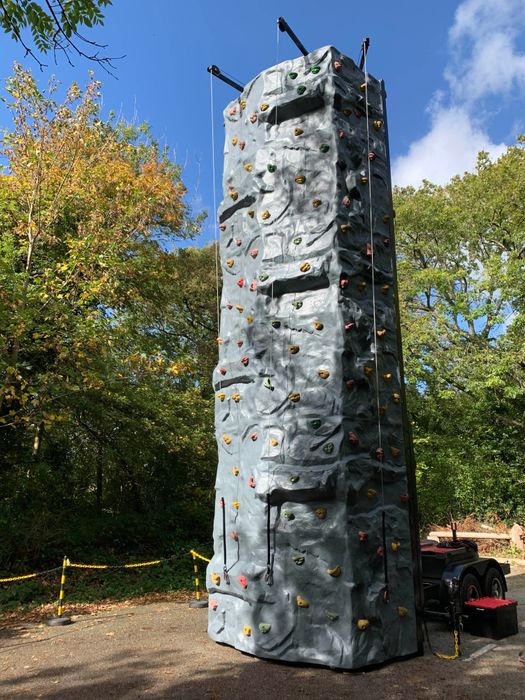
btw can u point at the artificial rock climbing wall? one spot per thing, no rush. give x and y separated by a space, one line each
312 540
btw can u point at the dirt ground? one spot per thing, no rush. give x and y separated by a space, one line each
161 650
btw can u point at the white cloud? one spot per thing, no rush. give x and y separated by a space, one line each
484 62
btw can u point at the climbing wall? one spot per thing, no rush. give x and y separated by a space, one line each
312 538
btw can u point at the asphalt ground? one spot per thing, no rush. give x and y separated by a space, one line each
161 650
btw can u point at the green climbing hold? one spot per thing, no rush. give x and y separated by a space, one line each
328 448
267 383
301 89
332 616
264 627
263 276
293 478
315 69
316 423
297 304
271 167
324 148
292 75
276 324
299 560
297 240
288 515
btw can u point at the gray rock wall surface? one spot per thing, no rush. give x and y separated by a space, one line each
312 546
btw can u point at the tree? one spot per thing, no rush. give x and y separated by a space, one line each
108 330
462 287
55 26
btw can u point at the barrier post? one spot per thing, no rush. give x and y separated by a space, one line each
198 602
60 619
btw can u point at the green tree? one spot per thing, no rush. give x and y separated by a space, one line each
462 286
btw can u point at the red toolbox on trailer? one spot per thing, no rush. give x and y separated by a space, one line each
492 617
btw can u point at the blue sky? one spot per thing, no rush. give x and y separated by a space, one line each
454 73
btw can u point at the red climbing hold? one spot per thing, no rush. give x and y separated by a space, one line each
253 286
344 282
363 536
371 155
254 437
234 536
353 439
347 201
222 370
238 241
229 306
240 343
243 581
242 144
240 282
350 384
214 604
341 133
254 252
232 111
251 482
245 360
253 118
338 66
349 325
369 250
380 454
222 227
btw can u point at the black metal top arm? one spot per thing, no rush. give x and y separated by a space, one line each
216 71
285 27
364 51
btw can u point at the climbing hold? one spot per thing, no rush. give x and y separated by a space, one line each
335 572
316 203
248 167
369 252
234 535
264 627
263 276
293 349
362 536
215 578
353 439
301 89
267 384
292 75
362 625
371 155
315 69
276 324
381 332
341 133
297 240
347 201
297 304
404 498
265 215
316 423
239 308
242 144
219 341
364 179
234 195
274 442
264 106
294 397
395 546
305 267
344 281
251 213
328 448
345 228
271 168
238 241
332 616
234 141
320 512
242 103
222 227
254 252
402 612
221 396
371 493
382 410
243 581
236 397
251 482
253 286
363 87
227 439
249 319
229 305
300 179
247 631
253 118
235 471
380 454
349 325
380 551
318 326
324 148
236 505
386 242
232 111
369 371
288 515
385 288
214 604
230 262
338 66
299 560
240 282
377 124
396 398
323 373
350 384
387 376
293 478
298 131
347 112
394 451
302 602
254 437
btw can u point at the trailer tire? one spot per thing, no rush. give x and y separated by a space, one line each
494 584
470 588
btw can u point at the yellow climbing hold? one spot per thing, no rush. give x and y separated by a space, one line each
234 195
235 141
335 572
227 439
402 612
394 451
247 631
221 396
300 179
243 104
323 373
305 267
219 341
230 262
371 493
302 602
369 371
385 288
236 505
239 308
396 398
264 106
381 332
345 228
236 397
361 285
215 578
362 87
248 167
364 179
321 512
265 215
235 471
294 396
298 131
377 124
249 320
274 442
387 376
293 349
362 624
318 326
396 546
316 203
251 213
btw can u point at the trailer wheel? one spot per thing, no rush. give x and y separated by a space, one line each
493 584
470 588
